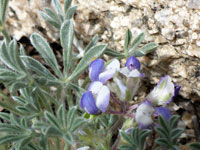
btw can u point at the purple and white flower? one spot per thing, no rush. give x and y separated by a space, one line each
96 98
132 68
163 92
99 72
145 112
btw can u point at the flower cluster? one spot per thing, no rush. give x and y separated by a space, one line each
126 80
161 95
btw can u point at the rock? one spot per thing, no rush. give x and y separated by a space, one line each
174 25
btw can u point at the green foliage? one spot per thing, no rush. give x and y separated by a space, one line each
130 48
168 132
135 140
195 146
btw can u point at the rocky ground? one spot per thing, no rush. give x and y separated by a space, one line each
173 24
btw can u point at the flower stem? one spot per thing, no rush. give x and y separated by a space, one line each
115 99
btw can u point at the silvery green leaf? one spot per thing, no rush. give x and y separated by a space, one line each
78 90
163 123
23 109
49 19
13 51
3 7
5 57
66 37
10 128
173 121
113 53
92 43
19 100
52 120
77 123
5 116
162 142
68 137
163 133
57 6
23 142
7 75
126 147
135 43
37 67
17 85
51 98
22 50
145 49
175 133
143 134
71 116
10 138
61 114
45 50
67 4
126 137
94 52
127 41
70 12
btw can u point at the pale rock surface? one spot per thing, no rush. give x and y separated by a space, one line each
173 24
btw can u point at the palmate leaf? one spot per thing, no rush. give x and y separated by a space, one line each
127 137
52 120
46 52
168 132
136 139
94 52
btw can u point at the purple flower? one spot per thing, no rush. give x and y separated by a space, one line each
163 92
163 111
132 68
96 99
132 63
97 71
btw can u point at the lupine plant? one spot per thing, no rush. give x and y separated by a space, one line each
49 109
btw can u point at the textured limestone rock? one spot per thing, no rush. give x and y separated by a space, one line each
174 25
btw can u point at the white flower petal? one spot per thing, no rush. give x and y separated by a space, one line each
125 71
143 114
102 99
95 87
106 75
121 87
115 64
163 92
